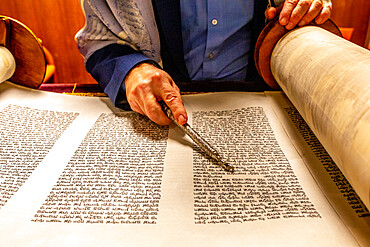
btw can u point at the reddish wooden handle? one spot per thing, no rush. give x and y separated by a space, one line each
4 31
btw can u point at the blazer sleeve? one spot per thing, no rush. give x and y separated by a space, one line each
110 65
115 38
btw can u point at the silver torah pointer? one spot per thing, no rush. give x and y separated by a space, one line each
203 144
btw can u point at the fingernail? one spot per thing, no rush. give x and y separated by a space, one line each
318 21
302 23
289 26
181 119
283 21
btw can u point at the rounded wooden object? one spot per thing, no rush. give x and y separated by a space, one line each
27 51
266 42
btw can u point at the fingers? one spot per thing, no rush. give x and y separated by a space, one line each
154 111
286 11
145 86
313 11
302 12
292 12
325 13
270 13
170 94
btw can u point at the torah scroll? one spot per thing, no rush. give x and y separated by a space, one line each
327 79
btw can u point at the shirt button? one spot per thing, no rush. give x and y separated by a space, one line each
210 55
214 22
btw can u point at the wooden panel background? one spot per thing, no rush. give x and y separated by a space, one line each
355 14
57 21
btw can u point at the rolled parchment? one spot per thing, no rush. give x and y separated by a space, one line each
7 64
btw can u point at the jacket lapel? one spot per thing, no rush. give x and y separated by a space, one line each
168 16
258 23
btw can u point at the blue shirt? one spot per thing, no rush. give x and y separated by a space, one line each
216 38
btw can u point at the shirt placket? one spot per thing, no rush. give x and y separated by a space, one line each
213 26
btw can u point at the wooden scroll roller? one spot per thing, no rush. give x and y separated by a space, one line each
266 42
27 51
327 78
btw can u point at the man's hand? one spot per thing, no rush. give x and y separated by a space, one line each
301 12
146 85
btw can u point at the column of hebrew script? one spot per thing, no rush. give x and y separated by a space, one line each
114 176
263 187
26 137
331 168
108 172
332 182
